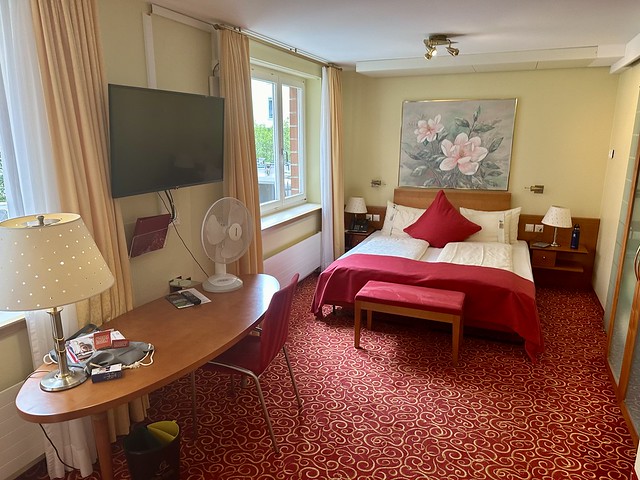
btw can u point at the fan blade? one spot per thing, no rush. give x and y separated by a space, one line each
215 232
231 248
236 214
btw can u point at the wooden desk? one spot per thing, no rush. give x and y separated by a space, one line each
183 339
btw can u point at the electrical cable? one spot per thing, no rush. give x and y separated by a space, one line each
55 449
173 216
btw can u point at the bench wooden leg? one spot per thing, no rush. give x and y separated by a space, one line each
356 330
456 333
369 319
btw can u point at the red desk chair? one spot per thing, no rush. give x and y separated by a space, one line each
254 353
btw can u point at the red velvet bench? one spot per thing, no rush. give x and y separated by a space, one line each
410 301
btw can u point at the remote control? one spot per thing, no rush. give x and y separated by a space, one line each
191 297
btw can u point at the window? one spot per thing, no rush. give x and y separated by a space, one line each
4 211
278 117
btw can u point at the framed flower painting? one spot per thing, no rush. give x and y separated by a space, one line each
463 144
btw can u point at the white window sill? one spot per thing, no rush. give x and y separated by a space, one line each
9 318
289 215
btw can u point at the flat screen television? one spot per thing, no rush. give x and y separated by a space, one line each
161 140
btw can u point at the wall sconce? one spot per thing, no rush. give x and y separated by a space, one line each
377 183
536 188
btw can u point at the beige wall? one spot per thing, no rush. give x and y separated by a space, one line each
566 122
563 120
183 62
615 177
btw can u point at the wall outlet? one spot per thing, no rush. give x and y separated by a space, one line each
528 227
539 228
369 216
376 217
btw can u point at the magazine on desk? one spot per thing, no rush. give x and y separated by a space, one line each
83 347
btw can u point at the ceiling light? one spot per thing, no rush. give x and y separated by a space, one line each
452 50
434 41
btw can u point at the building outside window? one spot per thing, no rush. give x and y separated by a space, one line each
278 117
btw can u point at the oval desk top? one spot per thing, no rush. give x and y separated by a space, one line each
184 339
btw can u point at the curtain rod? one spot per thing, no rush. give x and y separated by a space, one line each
276 44
181 17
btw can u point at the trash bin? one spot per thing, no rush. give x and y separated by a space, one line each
153 451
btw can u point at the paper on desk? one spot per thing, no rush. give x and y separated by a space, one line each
198 294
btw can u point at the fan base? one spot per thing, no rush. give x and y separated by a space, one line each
222 283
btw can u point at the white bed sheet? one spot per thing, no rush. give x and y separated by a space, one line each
520 255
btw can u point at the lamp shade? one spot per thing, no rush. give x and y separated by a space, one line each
48 261
558 217
356 205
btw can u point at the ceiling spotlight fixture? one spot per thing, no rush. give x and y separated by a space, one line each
434 41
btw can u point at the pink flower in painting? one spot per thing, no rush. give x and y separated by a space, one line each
428 129
465 153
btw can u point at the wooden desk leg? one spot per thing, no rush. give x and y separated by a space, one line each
358 322
101 433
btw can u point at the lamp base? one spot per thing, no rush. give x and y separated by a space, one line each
55 382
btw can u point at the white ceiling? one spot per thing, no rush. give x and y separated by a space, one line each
385 37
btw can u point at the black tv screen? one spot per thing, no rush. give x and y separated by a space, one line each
162 140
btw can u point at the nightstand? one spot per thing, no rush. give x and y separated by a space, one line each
561 266
351 238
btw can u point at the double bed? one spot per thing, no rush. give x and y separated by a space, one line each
492 267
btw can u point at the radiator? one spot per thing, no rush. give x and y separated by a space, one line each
302 258
21 442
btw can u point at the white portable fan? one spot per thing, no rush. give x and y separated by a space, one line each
227 230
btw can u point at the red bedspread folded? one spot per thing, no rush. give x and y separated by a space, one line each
495 299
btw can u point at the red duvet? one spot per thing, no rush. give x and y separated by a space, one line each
495 299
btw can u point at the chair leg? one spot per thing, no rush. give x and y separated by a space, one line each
264 409
193 405
293 380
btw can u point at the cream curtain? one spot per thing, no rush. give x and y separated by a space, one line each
241 170
334 79
75 93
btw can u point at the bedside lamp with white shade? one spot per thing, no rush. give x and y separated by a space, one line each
357 206
557 217
47 261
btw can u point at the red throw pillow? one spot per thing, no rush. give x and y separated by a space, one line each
441 223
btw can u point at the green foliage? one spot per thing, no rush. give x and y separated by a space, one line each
264 141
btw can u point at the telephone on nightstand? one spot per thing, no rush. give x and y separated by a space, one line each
359 225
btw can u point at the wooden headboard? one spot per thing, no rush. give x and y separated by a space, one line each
475 199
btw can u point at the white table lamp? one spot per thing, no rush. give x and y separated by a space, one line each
557 217
47 261
356 205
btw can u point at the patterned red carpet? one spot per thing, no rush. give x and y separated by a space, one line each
398 409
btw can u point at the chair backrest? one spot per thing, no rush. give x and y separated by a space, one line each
275 325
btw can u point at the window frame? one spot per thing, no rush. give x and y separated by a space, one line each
279 79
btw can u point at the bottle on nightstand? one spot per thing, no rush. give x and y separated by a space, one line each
575 236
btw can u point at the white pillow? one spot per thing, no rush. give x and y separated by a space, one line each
388 219
401 220
511 220
492 223
398 217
